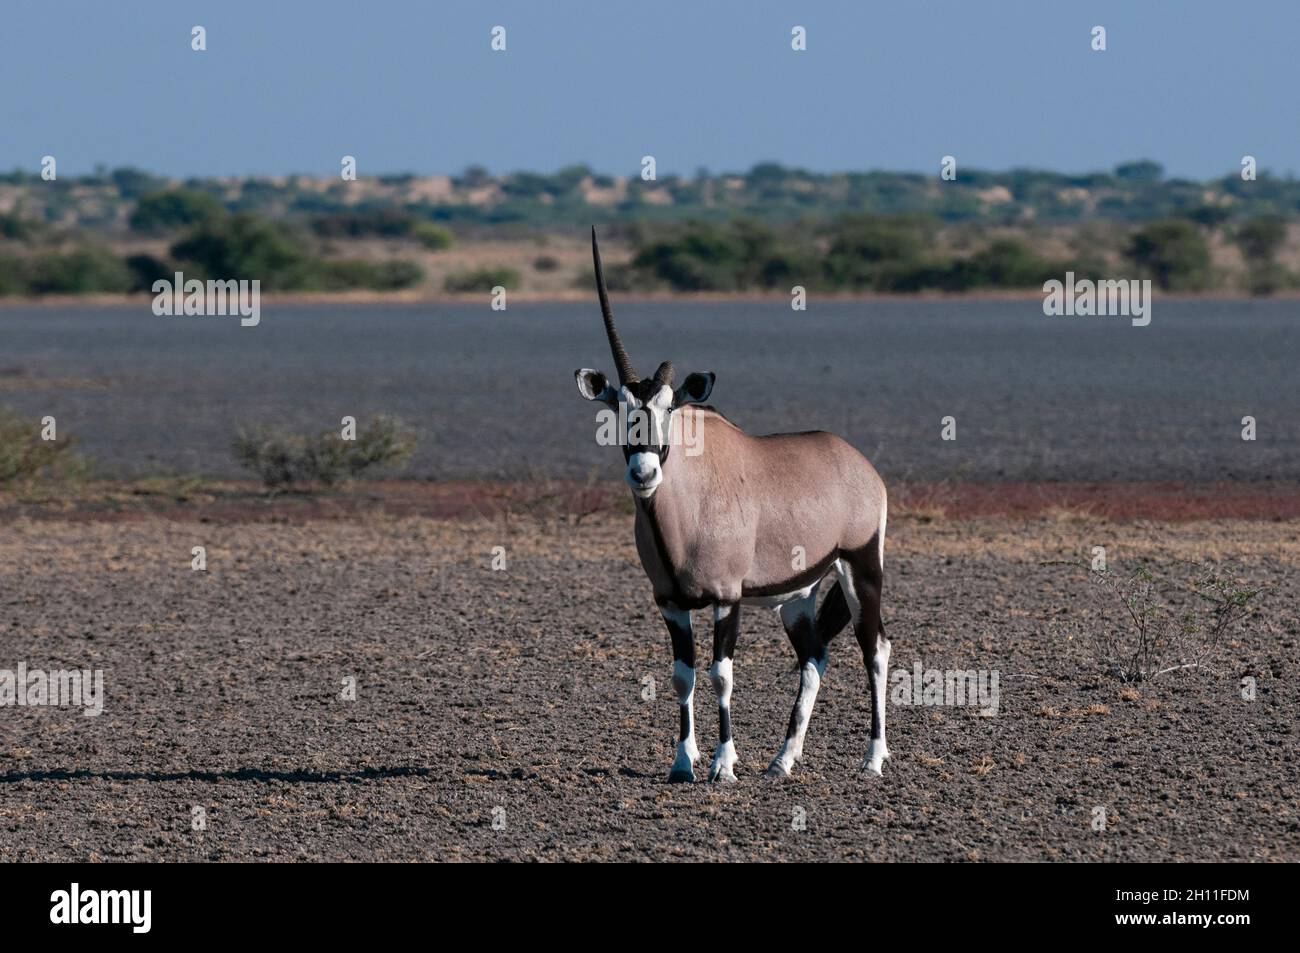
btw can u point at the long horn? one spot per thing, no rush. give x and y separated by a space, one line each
625 373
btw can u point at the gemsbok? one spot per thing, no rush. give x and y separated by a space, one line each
728 520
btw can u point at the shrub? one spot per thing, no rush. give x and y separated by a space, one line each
179 208
699 257
1260 238
378 276
1266 278
1149 626
433 237
481 279
133 183
85 270
145 270
546 263
863 247
1006 263
709 257
384 223
13 275
283 460
247 247
1173 254
1259 241
25 457
13 226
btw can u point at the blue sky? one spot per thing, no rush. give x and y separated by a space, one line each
414 87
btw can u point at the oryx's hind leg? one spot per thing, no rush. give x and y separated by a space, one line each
726 626
799 618
862 576
679 629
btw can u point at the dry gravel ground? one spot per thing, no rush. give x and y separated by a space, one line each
522 689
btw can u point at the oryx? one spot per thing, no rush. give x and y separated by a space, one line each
724 519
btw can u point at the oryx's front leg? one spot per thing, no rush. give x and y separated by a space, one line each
726 626
679 628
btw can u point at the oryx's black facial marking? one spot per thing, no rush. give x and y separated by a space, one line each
652 436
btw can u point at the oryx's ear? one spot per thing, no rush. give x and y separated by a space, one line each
694 389
593 386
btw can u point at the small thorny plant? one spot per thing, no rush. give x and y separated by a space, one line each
1149 625
26 458
285 460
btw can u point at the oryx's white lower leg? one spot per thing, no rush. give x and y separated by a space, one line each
726 626
810 680
862 577
687 752
878 750
798 617
679 628
724 758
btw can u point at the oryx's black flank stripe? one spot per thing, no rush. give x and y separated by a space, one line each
799 581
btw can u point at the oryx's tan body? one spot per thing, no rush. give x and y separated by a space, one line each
753 517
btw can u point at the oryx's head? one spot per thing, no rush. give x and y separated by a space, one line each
645 407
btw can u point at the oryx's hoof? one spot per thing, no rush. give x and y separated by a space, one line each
684 763
778 769
875 759
724 763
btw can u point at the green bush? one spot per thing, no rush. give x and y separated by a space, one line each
1260 238
244 246
699 257
82 271
433 237
1259 241
179 208
1173 254
286 460
13 275
16 228
377 276
25 457
1006 263
481 279
865 249
708 257
366 223
145 270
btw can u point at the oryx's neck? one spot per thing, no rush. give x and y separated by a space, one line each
696 467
